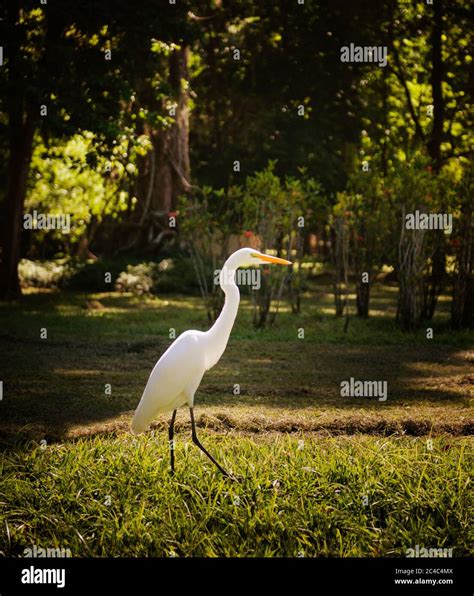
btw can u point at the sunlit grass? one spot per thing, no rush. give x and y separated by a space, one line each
297 496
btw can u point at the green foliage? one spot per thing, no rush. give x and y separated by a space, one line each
208 221
397 101
270 207
275 212
267 212
92 275
174 275
64 184
289 58
76 178
71 274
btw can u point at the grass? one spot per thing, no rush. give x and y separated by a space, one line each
298 496
307 457
55 388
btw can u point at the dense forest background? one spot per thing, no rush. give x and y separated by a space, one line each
176 128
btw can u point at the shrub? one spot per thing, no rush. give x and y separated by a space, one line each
170 275
44 274
91 276
138 279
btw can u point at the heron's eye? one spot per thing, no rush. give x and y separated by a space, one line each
255 255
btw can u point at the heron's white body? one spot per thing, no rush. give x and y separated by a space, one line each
178 373
171 385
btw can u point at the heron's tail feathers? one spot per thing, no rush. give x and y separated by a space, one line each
145 413
142 418
148 409
137 425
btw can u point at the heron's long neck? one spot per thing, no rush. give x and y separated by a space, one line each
219 333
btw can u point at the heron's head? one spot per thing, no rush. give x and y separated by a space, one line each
248 257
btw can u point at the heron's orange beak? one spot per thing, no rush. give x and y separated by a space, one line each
276 260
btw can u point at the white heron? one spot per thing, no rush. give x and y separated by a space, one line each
178 373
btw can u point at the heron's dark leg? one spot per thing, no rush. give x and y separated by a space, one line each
198 443
171 441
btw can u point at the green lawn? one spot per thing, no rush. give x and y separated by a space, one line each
320 474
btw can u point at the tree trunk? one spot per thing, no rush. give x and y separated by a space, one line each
363 298
434 144
21 129
434 283
339 245
164 173
20 146
169 166
411 260
463 299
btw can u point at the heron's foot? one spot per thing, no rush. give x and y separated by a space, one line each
234 477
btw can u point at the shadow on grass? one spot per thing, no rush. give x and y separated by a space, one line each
100 349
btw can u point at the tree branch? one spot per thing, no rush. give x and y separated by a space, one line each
401 77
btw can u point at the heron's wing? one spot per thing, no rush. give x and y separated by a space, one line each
180 367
